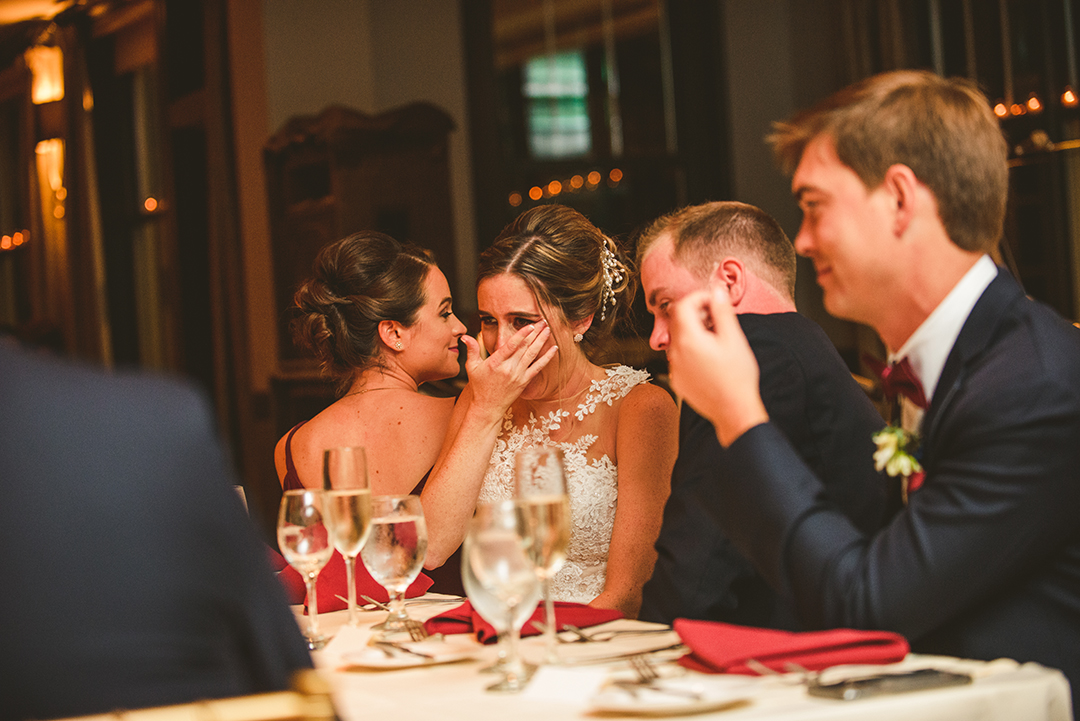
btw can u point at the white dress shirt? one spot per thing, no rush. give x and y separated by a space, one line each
929 346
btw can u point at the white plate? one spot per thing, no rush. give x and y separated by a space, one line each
715 693
440 651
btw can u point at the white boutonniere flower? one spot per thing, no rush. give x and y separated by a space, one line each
895 447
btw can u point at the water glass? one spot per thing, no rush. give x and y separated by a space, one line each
305 542
394 553
507 587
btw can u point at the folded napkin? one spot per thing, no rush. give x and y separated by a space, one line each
332 582
465 619
726 648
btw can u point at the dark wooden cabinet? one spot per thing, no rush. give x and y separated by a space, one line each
340 172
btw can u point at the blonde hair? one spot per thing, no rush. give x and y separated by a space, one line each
702 235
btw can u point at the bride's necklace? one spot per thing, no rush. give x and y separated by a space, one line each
362 391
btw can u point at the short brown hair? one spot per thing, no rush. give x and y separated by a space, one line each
560 256
703 235
356 283
943 129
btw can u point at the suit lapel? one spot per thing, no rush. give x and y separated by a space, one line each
975 335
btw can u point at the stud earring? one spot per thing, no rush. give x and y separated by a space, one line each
398 345
578 337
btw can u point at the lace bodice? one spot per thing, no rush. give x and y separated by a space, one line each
591 480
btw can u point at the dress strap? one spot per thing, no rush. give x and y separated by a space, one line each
291 481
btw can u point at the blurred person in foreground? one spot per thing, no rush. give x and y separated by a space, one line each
902 181
807 390
132 574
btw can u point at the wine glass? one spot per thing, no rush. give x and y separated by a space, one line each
496 549
394 553
540 486
349 505
305 543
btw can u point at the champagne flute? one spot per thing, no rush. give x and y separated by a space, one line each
394 553
540 486
305 543
349 504
496 550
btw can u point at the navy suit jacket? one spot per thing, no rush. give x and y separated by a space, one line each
984 562
132 576
811 396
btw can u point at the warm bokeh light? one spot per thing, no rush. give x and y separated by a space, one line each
594 178
1068 98
535 193
554 187
1034 104
515 199
1001 110
5 243
150 204
47 65
615 175
58 212
576 182
1017 109
17 238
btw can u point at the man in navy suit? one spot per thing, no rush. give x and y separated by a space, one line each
902 181
808 391
132 576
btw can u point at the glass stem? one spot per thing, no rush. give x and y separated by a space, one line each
350 576
551 654
313 606
397 605
514 668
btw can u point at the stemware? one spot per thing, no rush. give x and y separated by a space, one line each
305 542
394 553
507 587
540 486
348 499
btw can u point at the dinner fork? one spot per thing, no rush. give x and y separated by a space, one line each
416 630
648 678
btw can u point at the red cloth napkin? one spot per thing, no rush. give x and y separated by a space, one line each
331 583
465 619
725 648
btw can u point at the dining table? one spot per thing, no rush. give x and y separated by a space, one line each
595 679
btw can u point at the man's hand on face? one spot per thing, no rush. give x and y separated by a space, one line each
712 366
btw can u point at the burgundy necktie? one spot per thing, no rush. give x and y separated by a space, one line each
898 379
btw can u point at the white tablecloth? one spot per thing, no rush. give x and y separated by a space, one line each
1001 690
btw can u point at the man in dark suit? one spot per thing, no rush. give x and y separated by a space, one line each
807 389
902 180
132 576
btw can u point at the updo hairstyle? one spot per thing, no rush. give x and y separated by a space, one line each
568 264
358 282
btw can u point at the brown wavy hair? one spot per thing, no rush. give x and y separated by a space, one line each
558 253
357 282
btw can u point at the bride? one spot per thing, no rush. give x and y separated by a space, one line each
552 276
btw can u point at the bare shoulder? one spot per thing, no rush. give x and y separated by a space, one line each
646 399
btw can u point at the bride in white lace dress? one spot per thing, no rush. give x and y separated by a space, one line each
550 289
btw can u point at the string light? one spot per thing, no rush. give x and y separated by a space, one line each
1068 98
1001 110
1034 104
555 187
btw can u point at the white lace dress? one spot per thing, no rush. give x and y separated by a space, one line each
592 482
